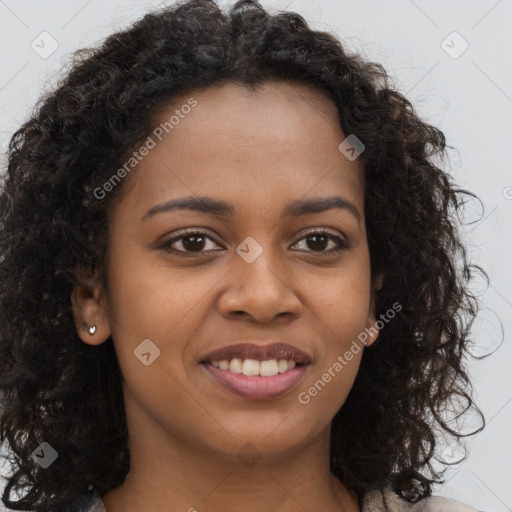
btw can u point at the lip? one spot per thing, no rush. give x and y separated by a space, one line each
257 352
257 387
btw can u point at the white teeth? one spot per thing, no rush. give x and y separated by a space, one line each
268 368
253 367
282 365
235 365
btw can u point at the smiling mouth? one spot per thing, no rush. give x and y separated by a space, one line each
254 367
257 380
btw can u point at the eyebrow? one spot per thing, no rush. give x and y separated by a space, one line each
220 208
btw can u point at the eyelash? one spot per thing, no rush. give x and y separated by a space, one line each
341 244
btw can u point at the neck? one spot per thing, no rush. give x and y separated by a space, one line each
168 472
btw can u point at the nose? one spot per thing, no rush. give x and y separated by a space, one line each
260 291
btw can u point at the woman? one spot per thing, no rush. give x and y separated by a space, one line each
232 278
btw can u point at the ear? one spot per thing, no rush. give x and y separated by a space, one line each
89 309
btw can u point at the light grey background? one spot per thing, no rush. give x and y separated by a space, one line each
468 96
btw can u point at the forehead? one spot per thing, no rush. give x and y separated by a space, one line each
279 139
275 114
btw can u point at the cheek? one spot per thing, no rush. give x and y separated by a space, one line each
342 303
148 299
341 317
147 302
341 309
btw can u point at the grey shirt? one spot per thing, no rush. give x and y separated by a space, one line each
384 500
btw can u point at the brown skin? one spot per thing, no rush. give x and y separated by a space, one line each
258 150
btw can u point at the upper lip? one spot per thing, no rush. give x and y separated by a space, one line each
258 352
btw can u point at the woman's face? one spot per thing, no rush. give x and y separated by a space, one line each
255 275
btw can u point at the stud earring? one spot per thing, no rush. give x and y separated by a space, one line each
92 329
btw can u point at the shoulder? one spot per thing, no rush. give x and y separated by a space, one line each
382 500
386 500
86 503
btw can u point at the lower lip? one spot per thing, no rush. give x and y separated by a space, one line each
256 387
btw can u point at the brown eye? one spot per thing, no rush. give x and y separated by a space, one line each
193 242
189 243
318 241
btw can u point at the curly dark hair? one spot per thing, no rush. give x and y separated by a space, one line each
63 391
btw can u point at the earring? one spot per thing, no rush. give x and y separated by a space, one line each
92 329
